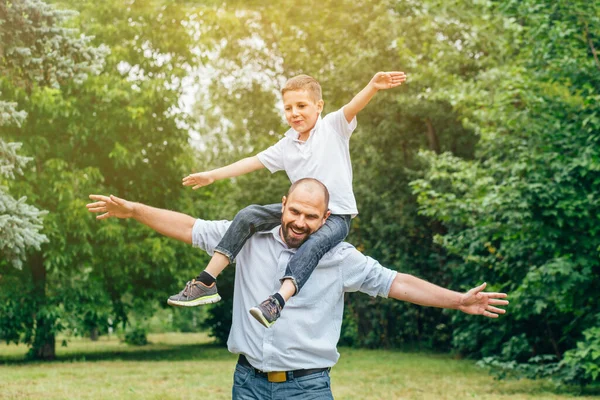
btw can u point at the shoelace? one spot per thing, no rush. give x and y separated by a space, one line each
187 288
271 306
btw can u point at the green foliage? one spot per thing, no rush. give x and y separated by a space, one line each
20 223
349 335
116 132
483 166
536 368
524 213
189 320
581 365
136 336
38 49
37 52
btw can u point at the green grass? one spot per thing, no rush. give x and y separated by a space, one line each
188 366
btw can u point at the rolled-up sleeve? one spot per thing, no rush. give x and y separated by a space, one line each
272 158
365 274
206 235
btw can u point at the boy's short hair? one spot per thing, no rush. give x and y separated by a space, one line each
303 82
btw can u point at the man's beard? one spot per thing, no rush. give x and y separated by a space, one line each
292 241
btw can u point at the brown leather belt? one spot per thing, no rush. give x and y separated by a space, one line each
280 376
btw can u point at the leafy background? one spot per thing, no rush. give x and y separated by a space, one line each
482 167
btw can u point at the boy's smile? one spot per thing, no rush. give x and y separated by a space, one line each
301 111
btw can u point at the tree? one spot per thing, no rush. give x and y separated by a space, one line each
524 211
36 52
116 131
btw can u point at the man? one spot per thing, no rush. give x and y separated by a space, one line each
293 358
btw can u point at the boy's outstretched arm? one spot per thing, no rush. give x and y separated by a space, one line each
238 168
477 302
381 81
169 223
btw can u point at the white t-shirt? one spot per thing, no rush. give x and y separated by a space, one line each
324 156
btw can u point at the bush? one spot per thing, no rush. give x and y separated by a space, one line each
581 365
137 336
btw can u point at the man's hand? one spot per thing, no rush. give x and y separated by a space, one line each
111 207
478 302
387 80
198 180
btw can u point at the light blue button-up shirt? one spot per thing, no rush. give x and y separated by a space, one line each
306 334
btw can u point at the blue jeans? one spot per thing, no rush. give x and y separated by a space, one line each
257 218
248 386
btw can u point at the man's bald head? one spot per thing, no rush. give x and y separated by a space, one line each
303 211
312 186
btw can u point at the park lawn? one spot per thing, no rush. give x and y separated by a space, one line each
188 366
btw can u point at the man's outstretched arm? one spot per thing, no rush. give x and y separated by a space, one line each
477 302
169 223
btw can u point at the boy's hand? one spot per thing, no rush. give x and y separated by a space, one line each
381 81
387 80
198 180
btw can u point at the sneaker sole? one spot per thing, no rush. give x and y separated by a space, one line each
258 315
197 302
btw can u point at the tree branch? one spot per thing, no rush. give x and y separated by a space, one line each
591 44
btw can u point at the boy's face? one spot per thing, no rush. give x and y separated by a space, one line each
301 111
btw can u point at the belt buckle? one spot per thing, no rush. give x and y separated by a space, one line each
277 376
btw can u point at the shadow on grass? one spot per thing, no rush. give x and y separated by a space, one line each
547 387
157 352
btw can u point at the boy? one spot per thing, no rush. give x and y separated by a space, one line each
313 147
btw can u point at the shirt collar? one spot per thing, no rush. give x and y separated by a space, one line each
294 135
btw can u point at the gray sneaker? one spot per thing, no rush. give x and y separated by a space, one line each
195 293
267 312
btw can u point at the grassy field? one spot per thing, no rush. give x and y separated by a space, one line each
188 366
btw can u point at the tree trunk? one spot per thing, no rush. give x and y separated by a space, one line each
44 346
553 342
432 138
44 342
94 334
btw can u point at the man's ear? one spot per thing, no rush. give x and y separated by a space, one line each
283 200
327 214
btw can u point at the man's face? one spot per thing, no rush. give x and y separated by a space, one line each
303 213
301 110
